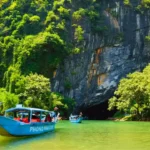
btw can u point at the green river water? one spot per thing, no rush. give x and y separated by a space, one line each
89 135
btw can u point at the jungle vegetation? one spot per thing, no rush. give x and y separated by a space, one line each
35 37
132 97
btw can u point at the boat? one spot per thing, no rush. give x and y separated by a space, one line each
24 121
75 118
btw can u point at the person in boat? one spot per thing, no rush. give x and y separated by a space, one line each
80 114
48 118
56 110
56 113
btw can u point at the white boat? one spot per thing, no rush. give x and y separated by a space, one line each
75 118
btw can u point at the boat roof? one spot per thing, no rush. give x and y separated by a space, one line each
26 108
74 115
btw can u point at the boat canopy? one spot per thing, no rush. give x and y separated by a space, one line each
74 117
26 108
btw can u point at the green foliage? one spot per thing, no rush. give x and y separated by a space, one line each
93 15
3 2
8 100
26 24
119 115
77 15
61 25
76 50
145 3
12 6
37 35
78 35
69 104
63 12
65 104
127 2
56 100
34 91
46 46
34 29
133 94
34 18
97 20
10 78
51 17
147 38
57 4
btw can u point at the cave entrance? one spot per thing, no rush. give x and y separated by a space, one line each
99 112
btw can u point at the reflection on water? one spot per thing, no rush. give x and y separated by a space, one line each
7 143
89 135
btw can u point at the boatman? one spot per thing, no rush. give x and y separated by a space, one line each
80 115
56 113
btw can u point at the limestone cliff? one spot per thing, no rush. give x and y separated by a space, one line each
92 76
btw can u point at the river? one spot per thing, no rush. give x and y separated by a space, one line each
89 135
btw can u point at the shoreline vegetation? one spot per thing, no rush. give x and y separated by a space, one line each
126 117
132 97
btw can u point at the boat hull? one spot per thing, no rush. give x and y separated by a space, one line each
79 120
16 128
4 132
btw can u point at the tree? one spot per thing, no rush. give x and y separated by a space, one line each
65 104
133 94
34 91
7 99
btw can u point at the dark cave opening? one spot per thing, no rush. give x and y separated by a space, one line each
99 112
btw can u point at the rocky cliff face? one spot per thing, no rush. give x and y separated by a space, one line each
92 76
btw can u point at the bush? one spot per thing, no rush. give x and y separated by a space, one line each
8 100
133 94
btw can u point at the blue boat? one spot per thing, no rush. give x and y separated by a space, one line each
23 121
75 119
